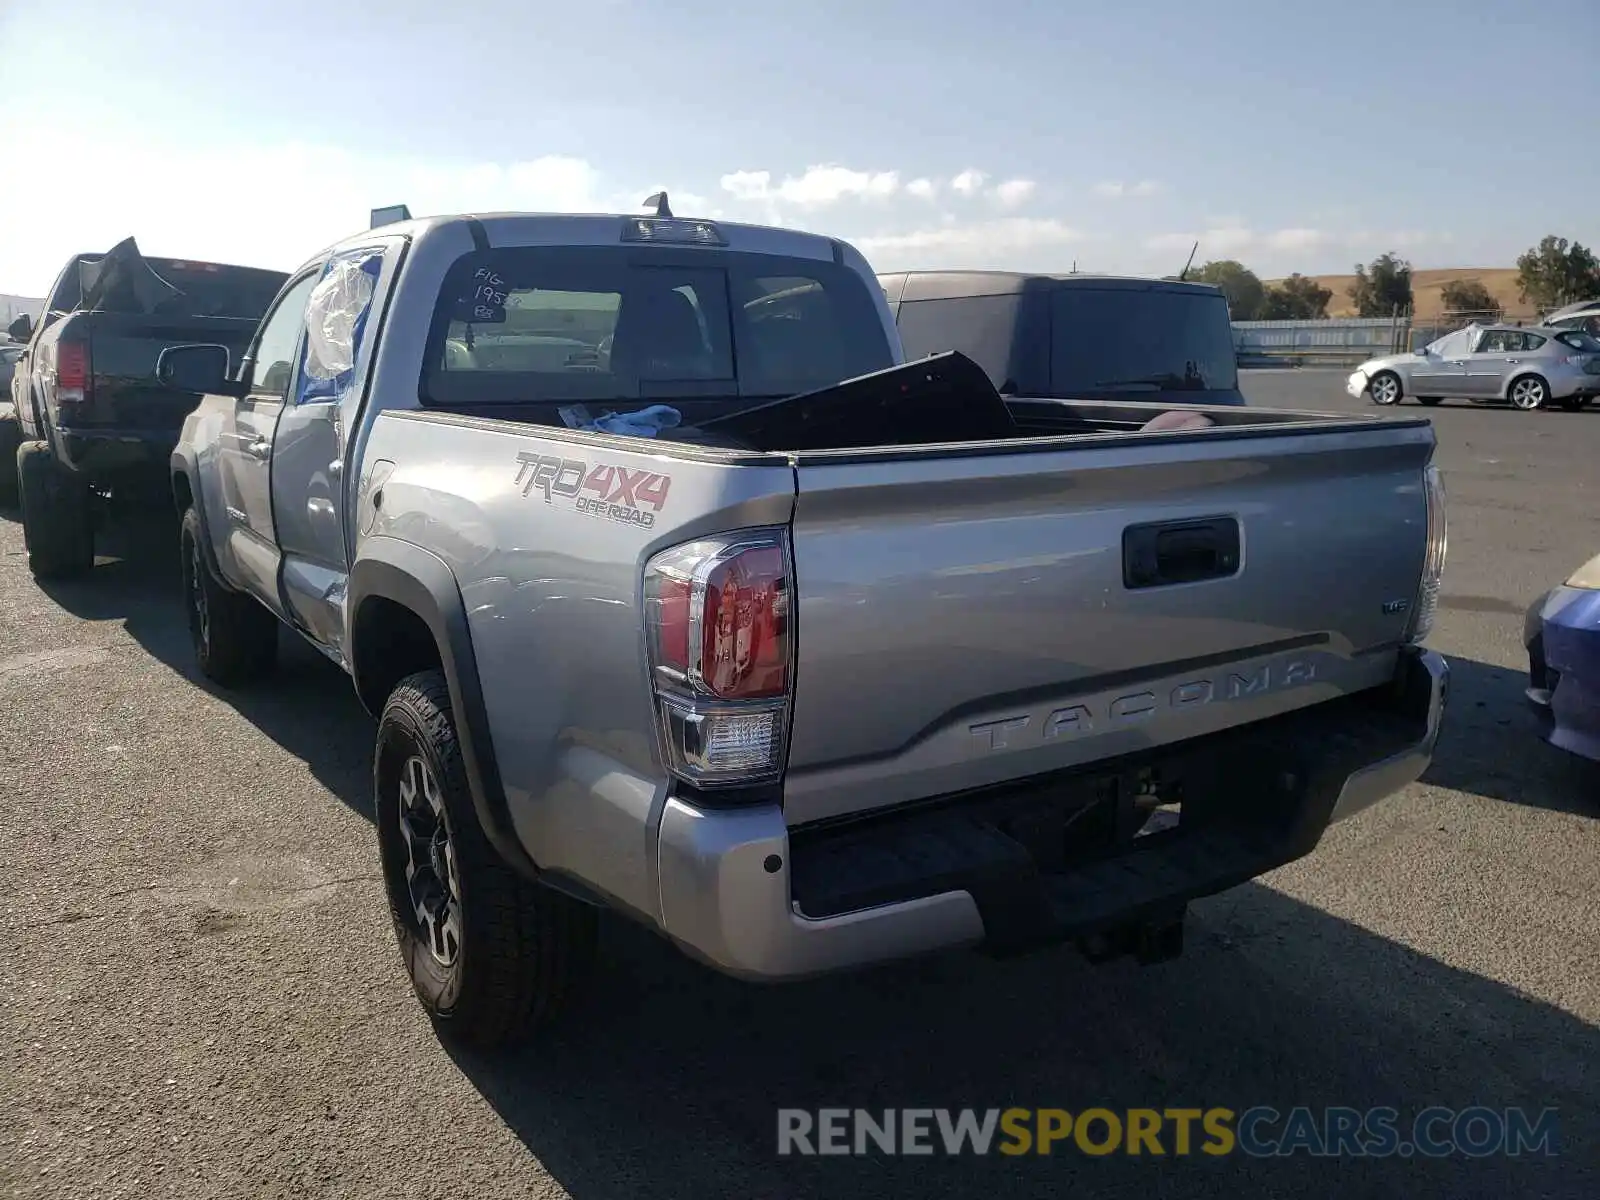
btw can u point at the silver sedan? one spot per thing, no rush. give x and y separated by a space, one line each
1525 366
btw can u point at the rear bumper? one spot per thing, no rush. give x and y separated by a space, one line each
1565 384
743 893
1561 632
107 455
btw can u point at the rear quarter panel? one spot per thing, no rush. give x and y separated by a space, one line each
551 576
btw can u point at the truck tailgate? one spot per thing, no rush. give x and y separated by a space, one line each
123 350
968 619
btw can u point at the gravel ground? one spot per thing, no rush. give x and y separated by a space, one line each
201 995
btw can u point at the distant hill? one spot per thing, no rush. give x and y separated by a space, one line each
1425 288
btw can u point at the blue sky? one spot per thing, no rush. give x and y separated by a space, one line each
1006 134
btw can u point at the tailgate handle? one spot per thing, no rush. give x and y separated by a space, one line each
1168 552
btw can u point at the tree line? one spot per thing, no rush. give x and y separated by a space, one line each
1553 273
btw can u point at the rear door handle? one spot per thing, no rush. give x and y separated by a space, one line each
1513 361
1167 552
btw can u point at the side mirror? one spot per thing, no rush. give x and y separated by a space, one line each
21 329
199 368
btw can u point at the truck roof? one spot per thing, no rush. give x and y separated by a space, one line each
949 285
515 228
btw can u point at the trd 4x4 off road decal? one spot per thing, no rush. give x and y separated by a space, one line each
630 495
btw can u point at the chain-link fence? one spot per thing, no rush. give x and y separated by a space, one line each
1332 342
1348 341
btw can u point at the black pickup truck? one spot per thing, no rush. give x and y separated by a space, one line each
89 418
1074 337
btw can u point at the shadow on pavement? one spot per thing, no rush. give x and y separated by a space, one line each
1490 746
307 705
669 1083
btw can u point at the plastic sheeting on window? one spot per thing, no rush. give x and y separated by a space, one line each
336 323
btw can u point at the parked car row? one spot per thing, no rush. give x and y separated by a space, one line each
683 581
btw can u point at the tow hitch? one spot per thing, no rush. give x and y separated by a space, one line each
1154 939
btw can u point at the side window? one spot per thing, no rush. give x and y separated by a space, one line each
273 358
1532 341
1578 340
1452 345
1495 341
981 327
336 324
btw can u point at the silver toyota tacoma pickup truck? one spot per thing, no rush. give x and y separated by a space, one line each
674 591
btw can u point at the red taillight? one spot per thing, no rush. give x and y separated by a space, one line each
72 366
718 621
745 637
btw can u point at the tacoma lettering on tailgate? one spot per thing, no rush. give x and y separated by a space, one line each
601 490
1114 712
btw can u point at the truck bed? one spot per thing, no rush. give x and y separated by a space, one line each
972 612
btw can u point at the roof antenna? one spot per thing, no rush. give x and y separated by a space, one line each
1184 274
660 201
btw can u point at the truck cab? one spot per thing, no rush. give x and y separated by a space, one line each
1078 337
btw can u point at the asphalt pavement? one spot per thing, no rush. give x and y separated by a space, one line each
201 994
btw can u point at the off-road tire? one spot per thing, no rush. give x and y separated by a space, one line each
57 515
10 439
235 638
524 948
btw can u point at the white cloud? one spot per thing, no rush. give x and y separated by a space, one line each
277 228
969 182
1114 190
1214 243
818 187
1296 239
1014 192
995 243
747 185
1270 252
338 187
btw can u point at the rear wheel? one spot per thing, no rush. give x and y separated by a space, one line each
235 639
57 515
1529 393
1384 388
492 955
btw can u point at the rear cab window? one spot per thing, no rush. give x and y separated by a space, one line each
209 289
217 290
646 324
983 328
1169 339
